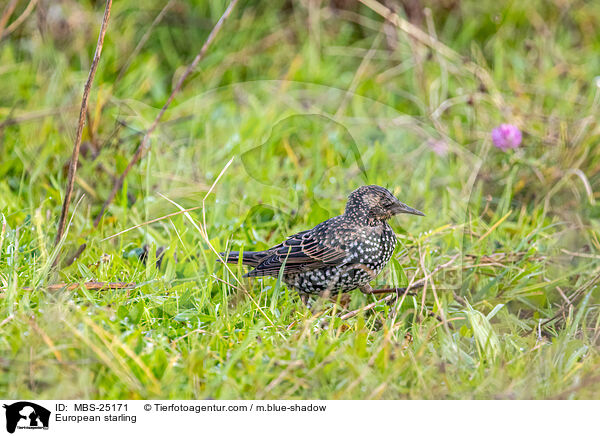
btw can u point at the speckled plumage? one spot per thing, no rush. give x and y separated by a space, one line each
341 254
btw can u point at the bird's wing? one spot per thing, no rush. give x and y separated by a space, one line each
304 251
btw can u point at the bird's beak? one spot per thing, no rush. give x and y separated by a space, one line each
403 208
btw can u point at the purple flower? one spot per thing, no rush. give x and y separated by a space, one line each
506 136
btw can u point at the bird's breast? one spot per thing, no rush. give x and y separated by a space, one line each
372 246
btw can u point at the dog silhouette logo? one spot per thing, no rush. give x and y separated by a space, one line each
26 415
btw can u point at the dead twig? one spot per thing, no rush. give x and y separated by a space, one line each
585 383
8 10
144 145
419 283
90 286
357 76
20 19
430 41
572 299
237 288
82 113
46 339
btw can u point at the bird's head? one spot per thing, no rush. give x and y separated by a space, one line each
375 202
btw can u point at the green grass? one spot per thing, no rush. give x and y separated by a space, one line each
309 104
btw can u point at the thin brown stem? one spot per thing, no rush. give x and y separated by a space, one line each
144 145
394 290
573 298
8 10
82 113
417 284
426 39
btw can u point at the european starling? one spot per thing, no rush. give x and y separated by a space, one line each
341 254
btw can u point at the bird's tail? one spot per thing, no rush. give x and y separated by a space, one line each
250 258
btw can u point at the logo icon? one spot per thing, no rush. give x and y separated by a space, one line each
26 415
